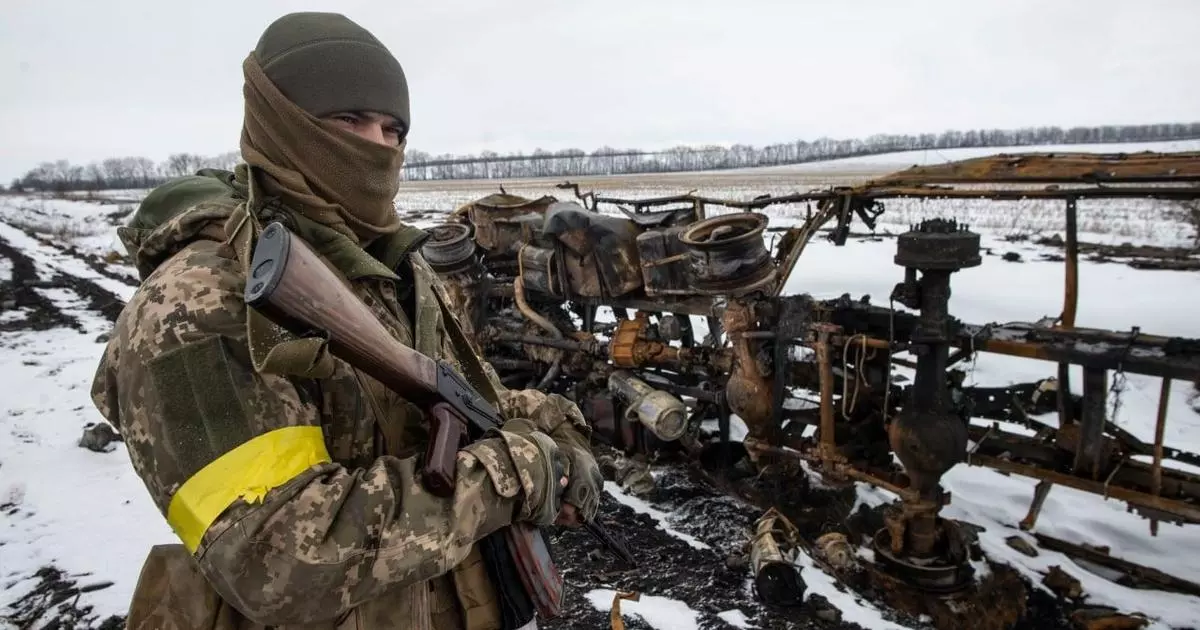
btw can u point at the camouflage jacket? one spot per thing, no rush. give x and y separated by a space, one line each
297 499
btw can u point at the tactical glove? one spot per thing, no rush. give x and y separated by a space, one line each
559 418
540 468
584 483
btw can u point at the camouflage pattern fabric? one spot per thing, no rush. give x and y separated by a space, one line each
352 539
561 419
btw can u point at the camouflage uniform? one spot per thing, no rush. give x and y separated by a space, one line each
295 487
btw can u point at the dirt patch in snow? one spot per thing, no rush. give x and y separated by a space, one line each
122 272
24 294
718 511
53 604
710 581
19 295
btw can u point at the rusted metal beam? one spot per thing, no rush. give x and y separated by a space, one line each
828 428
1040 492
873 192
927 192
1147 361
1048 168
1054 346
1117 469
1089 456
1181 509
1133 351
1137 571
1071 281
1160 426
1017 194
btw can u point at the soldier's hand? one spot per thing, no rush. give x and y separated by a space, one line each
581 494
572 477
568 514
561 420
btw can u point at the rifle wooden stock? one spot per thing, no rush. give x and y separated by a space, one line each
297 290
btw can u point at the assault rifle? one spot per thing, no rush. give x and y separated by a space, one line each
293 287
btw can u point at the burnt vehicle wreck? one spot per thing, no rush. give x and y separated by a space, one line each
529 277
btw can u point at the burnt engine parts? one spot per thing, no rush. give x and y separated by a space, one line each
699 334
928 436
727 254
663 414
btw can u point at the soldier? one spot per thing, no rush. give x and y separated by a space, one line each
291 479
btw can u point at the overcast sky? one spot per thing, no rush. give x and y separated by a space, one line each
85 80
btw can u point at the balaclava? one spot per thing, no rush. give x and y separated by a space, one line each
308 65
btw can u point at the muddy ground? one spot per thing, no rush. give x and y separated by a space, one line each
716 580
710 581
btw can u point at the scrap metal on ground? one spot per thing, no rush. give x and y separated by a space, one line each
529 275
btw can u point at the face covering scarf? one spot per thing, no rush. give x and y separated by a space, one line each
326 174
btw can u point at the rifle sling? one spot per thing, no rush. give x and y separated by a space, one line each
471 365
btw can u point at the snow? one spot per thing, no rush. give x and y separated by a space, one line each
50 259
89 514
737 427
854 609
926 157
79 222
662 613
86 513
735 618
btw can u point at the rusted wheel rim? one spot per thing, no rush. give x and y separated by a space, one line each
449 244
698 234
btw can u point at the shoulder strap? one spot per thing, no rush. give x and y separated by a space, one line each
472 364
272 348
469 358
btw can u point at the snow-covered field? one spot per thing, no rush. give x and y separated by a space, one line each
88 514
1107 221
925 157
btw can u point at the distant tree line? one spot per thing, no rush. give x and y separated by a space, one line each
140 172
118 173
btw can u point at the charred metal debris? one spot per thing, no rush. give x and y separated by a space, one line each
529 275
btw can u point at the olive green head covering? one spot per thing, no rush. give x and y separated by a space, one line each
325 63
309 65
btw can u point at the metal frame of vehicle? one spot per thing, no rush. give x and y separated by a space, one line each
863 416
